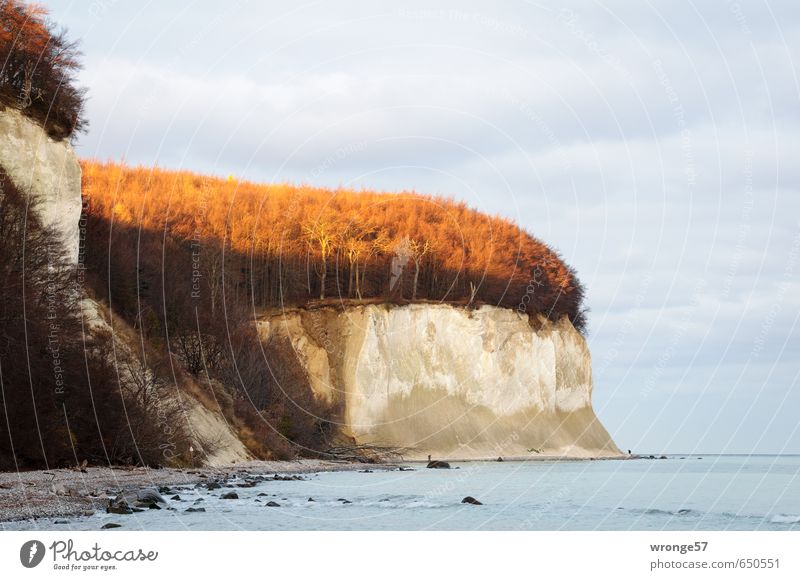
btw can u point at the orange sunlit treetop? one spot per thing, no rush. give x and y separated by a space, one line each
291 244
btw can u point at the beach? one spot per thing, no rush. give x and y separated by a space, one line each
74 492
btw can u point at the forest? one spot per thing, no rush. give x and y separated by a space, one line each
264 246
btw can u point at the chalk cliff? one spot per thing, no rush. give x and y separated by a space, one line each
448 381
430 378
47 169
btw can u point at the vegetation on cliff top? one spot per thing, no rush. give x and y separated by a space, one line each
37 69
272 245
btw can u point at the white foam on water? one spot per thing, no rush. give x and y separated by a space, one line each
785 519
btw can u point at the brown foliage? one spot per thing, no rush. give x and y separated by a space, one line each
37 68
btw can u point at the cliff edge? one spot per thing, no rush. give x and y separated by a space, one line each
449 381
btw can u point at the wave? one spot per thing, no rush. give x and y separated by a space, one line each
785 519
656 511
775 519
399 501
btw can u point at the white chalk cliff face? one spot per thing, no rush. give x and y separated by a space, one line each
451 382
47 169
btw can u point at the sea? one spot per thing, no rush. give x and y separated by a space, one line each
681 492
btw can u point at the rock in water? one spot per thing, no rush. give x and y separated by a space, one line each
273 504
149 499
230 495
149 496
118 505
471 500
110 526
436 464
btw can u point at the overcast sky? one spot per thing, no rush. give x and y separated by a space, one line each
655 145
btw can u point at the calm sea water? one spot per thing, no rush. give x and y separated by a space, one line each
708 493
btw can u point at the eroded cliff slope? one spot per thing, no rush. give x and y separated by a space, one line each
46 172
449 381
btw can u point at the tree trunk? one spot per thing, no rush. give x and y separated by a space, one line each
322 279
350 282
416 279
358 283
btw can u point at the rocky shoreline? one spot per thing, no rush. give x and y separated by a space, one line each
64 493
28 495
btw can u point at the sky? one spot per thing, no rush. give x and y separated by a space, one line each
656 145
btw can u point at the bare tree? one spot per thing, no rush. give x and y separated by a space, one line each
198 350
323 235
417 252
357 241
